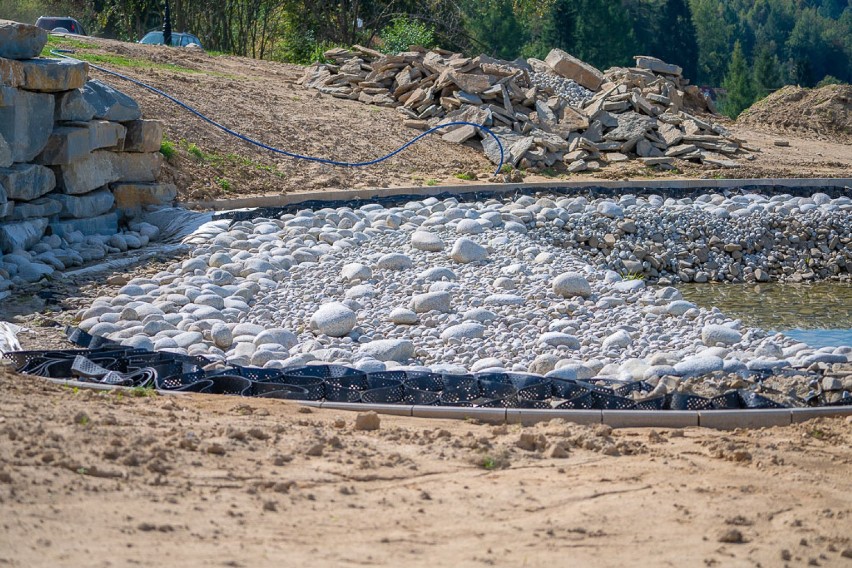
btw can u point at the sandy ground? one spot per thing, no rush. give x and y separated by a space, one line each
109 479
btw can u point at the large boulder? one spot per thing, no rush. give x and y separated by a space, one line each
89 204
87 174
106 224
21 234
53 75
135 166
572 68
133 196
26 121
110 103
66 144
5 153
21 41
143 136
41 207
105 134
26 182
71 106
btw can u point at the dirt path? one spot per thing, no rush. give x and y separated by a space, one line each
103 479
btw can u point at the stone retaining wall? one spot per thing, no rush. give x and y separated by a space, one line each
77 162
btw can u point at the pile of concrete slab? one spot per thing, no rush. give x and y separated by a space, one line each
77 161
649 112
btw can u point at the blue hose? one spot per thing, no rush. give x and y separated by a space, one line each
62 52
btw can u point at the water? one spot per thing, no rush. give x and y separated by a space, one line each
817 314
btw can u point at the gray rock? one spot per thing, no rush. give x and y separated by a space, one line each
465 251
543 364
679 307
469 227
437 274
106 224
403 316
26 182
334 320
5 153
618 340
66 144
105 134
41 207
631 126
355 272
137 167
437 301
467 330
86 174
394 261
426 241
480 315
829 358
571 284
21 234
277 336
504 300
143 136
21 41
399 350
26 121
610 209
89 204
110 103
130 196
52 75
558 339
699 365
72 106
715 334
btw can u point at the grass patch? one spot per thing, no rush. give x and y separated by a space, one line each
56 42
224 184
492 462
143 391
195 151
431 181
168 149
132 63
466 176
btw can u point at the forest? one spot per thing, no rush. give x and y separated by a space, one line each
748 47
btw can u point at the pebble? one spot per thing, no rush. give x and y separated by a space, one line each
334 319
465 251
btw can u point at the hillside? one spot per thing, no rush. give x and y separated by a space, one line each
262 100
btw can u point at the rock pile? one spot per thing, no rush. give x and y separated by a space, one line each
557 111
76 158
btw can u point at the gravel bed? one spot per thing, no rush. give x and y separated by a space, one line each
461 287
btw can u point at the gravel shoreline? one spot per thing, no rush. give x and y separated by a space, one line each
490 285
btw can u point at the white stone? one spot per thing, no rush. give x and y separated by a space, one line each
467 330
399 350
715 334
571 284
438 301
426 241
403 316
465 251
334 319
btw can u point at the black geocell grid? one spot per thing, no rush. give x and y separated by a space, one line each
106 362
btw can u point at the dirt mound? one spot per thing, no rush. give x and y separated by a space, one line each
824 113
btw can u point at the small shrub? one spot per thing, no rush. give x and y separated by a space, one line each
224 184
403 33
195 151
466 176
168 149
431 181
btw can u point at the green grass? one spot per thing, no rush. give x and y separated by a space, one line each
195 151
55 42
168 149
632 276
224 184
466 176
431 181
143 391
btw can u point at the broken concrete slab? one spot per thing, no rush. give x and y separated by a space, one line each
657 65
572 68
460 135
631 125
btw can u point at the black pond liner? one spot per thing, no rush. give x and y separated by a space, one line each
103 361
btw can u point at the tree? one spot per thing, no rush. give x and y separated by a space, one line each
766 72
713 32
494 28
740 92
603 34
678 44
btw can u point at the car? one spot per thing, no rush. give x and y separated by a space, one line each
60 24
179 39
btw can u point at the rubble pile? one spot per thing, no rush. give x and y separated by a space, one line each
557 111
76 160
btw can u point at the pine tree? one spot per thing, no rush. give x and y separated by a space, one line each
679 44
766 73
740 91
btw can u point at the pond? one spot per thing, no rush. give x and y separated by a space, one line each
817 314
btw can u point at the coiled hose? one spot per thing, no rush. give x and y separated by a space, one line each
62 53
